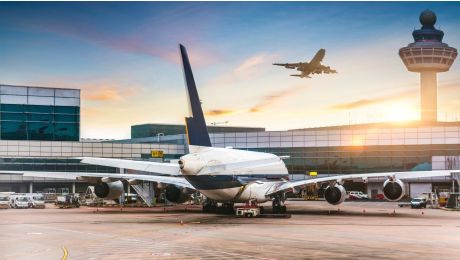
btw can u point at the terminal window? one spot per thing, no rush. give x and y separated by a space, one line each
39 122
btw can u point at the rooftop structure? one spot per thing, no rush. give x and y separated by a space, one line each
428 55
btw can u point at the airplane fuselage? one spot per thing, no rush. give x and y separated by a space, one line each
229 175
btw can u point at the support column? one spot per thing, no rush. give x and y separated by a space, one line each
73 187
429 96
31 187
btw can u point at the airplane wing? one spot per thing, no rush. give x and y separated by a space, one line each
291 65
323 69
291 185
145 166
179 181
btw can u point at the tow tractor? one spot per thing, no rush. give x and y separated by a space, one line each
249 210
68 201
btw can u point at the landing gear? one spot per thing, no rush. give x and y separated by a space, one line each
226 208
278 205
209 206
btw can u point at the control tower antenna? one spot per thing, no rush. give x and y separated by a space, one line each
428 55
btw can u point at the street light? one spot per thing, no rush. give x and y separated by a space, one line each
158 136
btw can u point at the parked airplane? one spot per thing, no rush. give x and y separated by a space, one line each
307 68
223 175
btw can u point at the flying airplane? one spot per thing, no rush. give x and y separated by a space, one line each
307 68
224 175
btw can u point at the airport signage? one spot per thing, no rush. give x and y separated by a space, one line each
157 154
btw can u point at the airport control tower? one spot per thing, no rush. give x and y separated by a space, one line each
428 55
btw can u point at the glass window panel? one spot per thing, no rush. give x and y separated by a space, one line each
67 110
12 108
41 117
66 118
14 116
13 130
66 132
39 109
40 131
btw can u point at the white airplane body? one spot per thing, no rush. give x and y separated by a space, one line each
223 175
308 68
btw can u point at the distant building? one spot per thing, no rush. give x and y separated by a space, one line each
153 130
37 113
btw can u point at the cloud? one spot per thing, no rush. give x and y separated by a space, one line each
219 112
107 92
410 93
156 34
102 95
251 63
250 67
371 101
269 101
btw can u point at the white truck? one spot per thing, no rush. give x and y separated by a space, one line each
19 201
4 201
36 201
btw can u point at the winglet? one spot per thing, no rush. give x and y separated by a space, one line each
195 124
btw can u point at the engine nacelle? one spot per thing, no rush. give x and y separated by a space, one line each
109 190
393 190
177 195
335 194
190 165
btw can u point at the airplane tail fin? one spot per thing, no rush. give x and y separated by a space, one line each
197 132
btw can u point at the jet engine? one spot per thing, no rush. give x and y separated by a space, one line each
335 194
176 194
191 165
109 190
393 189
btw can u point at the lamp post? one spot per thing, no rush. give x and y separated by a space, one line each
158 137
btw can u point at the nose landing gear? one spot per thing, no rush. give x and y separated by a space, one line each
278 205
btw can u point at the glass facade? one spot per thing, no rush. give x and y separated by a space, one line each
51 165
32 113
33 122
152 130
343 150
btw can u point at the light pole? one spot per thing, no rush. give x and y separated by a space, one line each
158 137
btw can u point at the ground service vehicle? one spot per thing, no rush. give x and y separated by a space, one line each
68 201
36 201
357 195
4 202
418 203
19 202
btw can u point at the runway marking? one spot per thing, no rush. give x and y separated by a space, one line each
66 253
161 248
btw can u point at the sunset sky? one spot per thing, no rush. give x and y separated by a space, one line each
125 59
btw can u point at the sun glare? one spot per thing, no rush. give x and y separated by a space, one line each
400 112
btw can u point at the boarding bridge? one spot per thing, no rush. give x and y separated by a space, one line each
146 191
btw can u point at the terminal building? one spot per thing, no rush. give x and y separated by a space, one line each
40 132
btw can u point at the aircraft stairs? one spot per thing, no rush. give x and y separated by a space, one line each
146 191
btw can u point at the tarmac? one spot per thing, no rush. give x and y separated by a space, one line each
316 230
